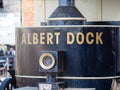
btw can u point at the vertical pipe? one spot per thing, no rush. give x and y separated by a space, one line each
66 2
7 63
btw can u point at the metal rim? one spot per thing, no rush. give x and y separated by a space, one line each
41 60
64 18
66 26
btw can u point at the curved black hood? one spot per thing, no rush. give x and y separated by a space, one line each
66 14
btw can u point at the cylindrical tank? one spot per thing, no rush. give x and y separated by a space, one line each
90 61
88 54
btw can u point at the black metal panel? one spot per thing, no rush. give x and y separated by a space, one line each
95 60
115 40
102 23
66 22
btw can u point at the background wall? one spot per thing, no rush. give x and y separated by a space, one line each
111 10
93 10
9 19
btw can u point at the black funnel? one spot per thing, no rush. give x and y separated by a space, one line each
66 14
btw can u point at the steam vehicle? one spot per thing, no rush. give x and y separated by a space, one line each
68 51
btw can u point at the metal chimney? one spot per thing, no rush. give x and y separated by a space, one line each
66 2
66 14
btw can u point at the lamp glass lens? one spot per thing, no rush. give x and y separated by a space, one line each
47 61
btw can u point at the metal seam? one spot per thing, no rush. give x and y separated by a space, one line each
77 26
71 78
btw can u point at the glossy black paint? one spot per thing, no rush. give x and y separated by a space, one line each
117 50
103 23
66 22
115 40
81 60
